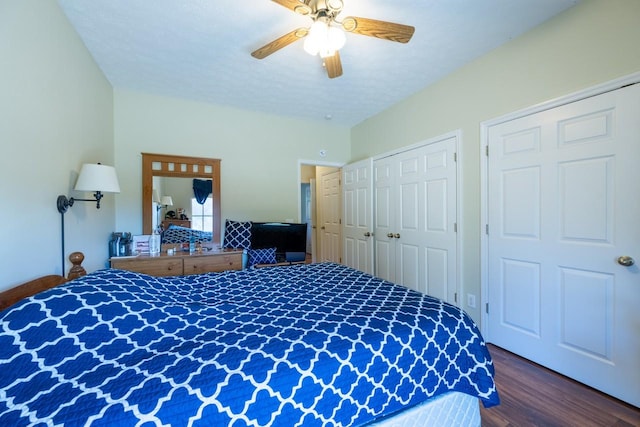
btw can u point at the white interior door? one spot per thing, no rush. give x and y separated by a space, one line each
384 218
331 226
415 218
439 222
357 219
563 206
305 208
314 220
409 226
425 232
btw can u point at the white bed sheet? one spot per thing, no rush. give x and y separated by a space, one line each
447 410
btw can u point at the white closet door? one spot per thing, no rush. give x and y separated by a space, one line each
357 227
563 206
416 211
409 225
384 218
439 220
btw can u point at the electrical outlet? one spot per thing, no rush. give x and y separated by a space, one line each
471 300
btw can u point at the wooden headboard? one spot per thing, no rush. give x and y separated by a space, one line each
13 295
32 287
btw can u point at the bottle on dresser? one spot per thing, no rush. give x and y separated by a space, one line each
154 243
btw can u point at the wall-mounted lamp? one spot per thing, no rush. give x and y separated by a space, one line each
93 177
164 202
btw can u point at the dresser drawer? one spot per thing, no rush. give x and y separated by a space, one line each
162 266
212 263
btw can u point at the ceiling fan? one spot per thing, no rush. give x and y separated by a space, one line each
325 37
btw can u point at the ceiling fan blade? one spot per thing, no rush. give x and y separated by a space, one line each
333 65
279 43
380 29
296 5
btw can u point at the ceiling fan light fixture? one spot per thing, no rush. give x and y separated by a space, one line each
335 5
326 35
336 37
324 39
313 41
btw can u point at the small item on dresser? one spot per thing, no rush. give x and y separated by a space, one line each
192 245
141 244
154 243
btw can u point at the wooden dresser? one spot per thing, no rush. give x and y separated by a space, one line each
181 263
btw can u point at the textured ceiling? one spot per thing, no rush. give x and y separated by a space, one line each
200 50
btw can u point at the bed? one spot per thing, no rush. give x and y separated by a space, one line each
306 345
176 234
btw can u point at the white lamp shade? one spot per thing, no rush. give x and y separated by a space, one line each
166 201
156 196
324 39
97 177
316 38
336 38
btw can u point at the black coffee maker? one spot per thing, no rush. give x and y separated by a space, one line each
120 244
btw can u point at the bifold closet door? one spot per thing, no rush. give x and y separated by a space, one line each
384 218
415 217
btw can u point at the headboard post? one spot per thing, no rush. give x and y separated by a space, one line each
77 270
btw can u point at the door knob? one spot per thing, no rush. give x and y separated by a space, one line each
367 234
625 260
390 235
397 235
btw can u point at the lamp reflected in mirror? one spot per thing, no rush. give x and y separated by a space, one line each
163 203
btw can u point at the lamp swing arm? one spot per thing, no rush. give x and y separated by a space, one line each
65 203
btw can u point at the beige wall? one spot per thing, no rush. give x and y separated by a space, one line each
57 111
55 114
260 153
594 42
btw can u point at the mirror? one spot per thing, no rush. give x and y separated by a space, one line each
163 165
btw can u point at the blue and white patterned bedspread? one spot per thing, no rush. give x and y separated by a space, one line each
307 345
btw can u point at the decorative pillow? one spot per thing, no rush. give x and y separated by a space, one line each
261 256
237 234
177 234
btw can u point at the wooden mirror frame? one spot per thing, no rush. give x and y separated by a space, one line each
179 167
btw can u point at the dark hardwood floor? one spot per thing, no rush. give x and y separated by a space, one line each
532 395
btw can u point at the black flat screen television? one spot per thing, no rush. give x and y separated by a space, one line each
289 239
